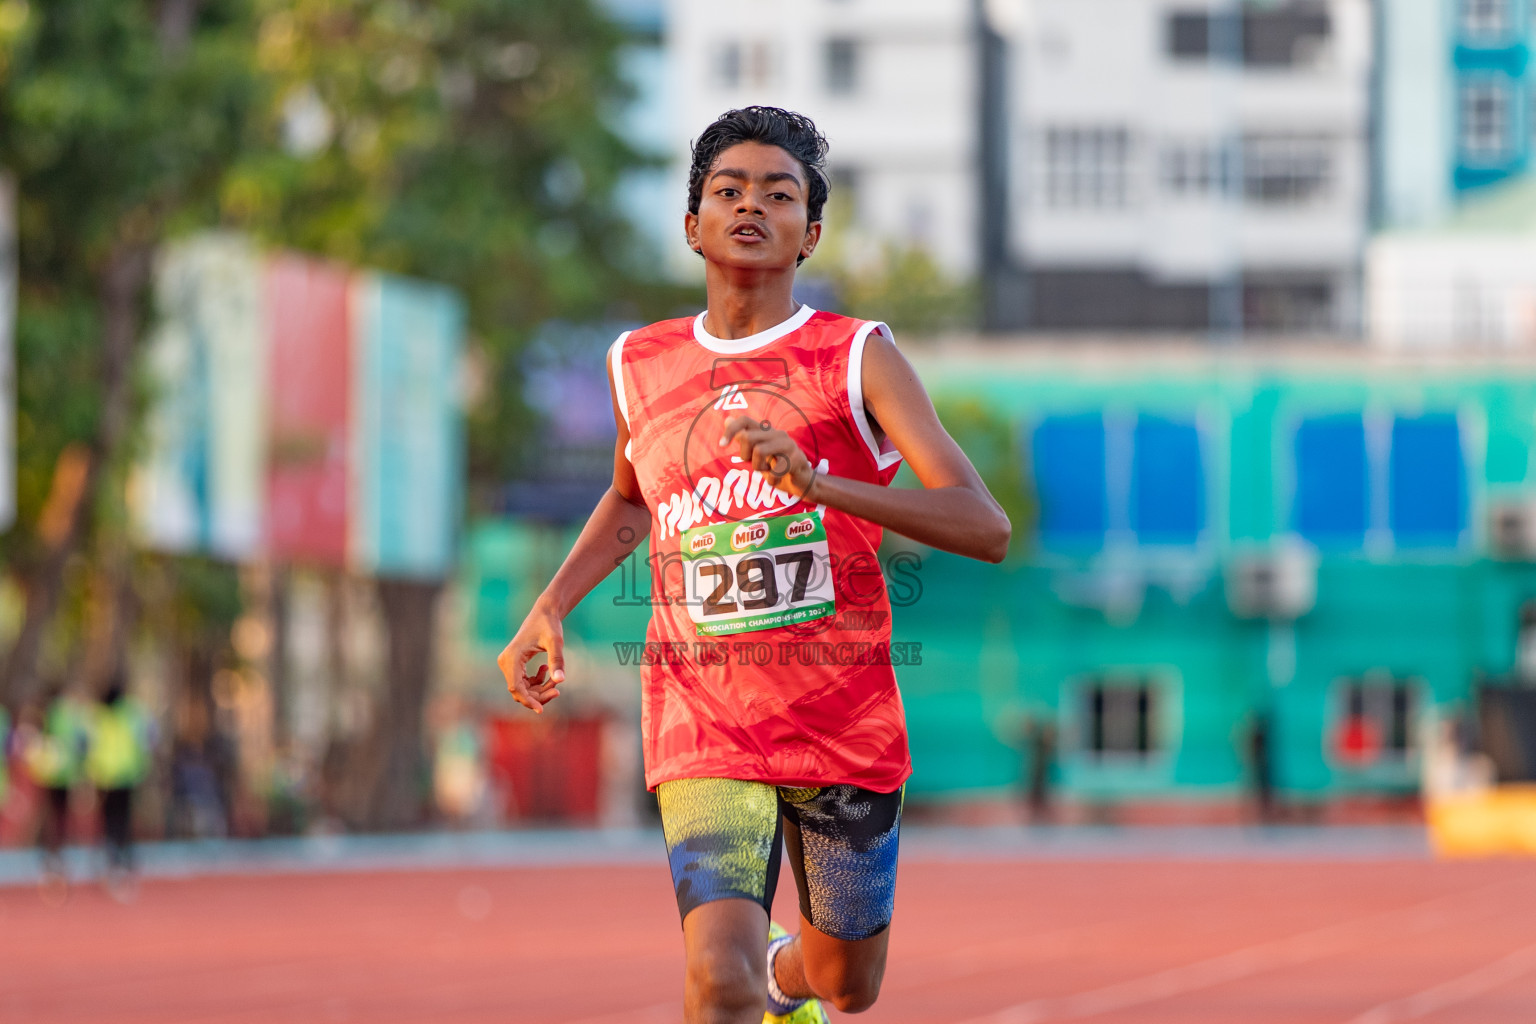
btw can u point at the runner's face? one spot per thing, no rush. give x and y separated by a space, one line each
752 210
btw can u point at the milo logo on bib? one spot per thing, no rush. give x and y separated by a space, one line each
740 577
748 535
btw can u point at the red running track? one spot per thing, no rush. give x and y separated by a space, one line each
982 943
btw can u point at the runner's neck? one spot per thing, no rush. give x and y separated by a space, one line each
743 311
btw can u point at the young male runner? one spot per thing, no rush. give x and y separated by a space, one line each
755 445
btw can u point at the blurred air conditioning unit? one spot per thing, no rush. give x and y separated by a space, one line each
1512 529
1280 583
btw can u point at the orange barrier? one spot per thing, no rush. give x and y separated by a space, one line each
1490 823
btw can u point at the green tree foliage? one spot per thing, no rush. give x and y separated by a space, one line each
113 124
466 141
120 120
906 289
900 285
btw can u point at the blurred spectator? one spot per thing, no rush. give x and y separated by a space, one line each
53 751
197 802
1261 773
1040 751
1452 765
116 762
458 770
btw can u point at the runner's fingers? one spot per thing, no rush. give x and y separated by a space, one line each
555 645
749 442
776 458
735 425
524 696
513 662
771 452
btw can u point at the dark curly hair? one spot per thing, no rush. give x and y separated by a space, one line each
794 133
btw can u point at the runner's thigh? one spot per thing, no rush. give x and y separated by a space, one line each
842 848
723 838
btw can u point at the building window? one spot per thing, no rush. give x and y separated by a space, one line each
1167 482
1141 479
1333 497
1120 718
1287 35
744 66
1292 35
1196 170
1487 20
1404 479
1070 481
728 66
1374 720
1286 170
842 66
1087 167
1189 35
1298 303
1427 481
1485 122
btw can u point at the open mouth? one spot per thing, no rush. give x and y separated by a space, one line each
748 233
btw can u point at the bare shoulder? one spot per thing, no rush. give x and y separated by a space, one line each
889 380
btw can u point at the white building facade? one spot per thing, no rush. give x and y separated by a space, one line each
1466 284
891 83
1187 165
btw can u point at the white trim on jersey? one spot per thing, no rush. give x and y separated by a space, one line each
737 346
616 356
884 459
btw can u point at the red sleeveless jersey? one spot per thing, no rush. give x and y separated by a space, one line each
768 656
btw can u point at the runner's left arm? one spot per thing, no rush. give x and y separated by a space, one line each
953 512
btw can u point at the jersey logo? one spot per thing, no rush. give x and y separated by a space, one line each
731 398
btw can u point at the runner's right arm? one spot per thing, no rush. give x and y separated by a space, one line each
615 528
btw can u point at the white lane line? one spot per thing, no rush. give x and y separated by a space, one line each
1457 990
1241 963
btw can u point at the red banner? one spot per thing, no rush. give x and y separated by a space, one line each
307 475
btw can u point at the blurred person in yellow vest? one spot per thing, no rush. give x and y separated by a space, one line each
52 747
117 761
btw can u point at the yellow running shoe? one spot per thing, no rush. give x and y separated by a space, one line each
809 1011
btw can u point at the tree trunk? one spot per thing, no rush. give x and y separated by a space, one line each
392 763
277 659
122 289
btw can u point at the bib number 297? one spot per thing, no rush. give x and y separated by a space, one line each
742 577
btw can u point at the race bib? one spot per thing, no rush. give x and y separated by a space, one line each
757 574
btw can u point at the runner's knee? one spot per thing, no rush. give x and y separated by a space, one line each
726 979
850 989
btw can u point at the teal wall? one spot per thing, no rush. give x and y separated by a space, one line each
1002 643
